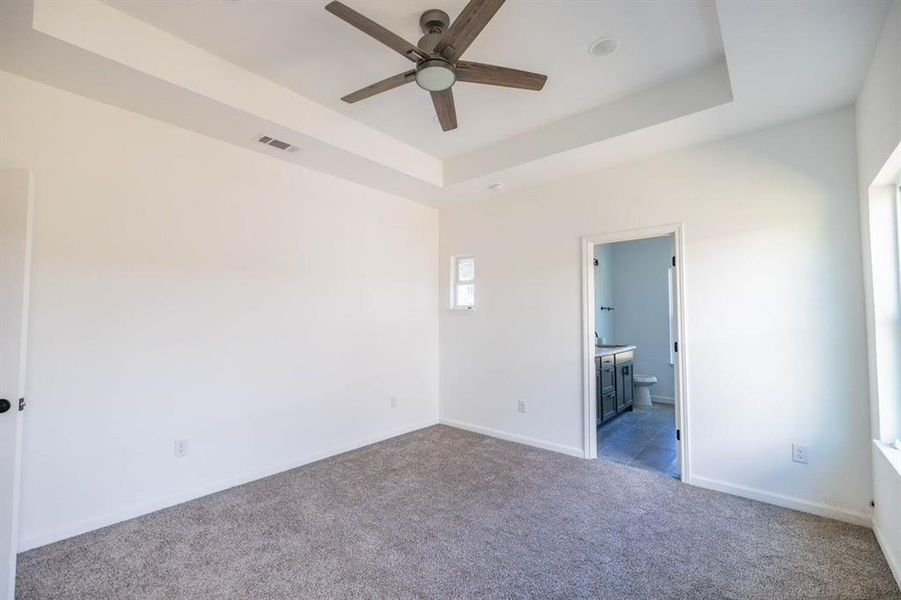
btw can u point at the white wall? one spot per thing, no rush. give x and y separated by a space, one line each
603 294
878 112
186 288
641 296
774 308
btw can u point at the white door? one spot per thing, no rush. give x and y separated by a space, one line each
15 259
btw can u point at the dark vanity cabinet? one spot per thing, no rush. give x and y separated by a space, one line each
606 386
625 385
614 384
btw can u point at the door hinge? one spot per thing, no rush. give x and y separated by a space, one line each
674 261
678 435
675 346
21 404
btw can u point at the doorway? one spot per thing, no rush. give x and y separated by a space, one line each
635 409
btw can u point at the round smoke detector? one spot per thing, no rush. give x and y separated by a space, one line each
604 46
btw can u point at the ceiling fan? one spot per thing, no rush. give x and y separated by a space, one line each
437 56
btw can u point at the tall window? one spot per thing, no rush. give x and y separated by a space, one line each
463 290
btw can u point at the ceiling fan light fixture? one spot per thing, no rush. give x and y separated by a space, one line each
435 75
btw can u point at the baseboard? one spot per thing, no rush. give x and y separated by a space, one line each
894 562
512 437
814 508
137 510
663 399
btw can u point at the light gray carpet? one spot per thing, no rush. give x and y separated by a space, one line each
443 513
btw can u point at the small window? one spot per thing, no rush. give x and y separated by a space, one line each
463 286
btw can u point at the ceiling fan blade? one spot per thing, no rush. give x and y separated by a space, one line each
371 28
380 86
493 75
467 27
444 107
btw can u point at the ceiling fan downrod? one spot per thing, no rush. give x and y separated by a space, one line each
433 23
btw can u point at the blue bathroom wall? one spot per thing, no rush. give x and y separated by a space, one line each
640 286
603 293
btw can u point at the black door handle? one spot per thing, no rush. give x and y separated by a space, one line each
4 405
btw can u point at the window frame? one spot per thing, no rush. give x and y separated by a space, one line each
456 281
895 441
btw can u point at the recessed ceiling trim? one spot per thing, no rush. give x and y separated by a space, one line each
103 30
702 90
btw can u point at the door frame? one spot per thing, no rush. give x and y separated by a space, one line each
589 392
16 206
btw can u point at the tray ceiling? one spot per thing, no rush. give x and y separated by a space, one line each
687 71
303 48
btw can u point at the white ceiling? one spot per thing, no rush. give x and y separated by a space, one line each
232 69
303 48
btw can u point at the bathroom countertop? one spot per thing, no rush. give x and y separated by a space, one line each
613 350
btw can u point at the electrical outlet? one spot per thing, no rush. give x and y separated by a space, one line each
392 402
521 406
181 448
799 454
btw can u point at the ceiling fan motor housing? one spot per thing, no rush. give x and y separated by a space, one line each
435 74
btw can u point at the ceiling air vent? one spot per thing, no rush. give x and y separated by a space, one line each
271 141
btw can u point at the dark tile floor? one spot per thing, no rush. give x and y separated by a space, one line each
644 438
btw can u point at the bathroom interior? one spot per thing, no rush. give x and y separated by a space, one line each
635 354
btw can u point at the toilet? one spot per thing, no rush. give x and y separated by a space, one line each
643 385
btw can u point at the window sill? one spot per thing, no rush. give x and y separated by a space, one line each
461 311
893 455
